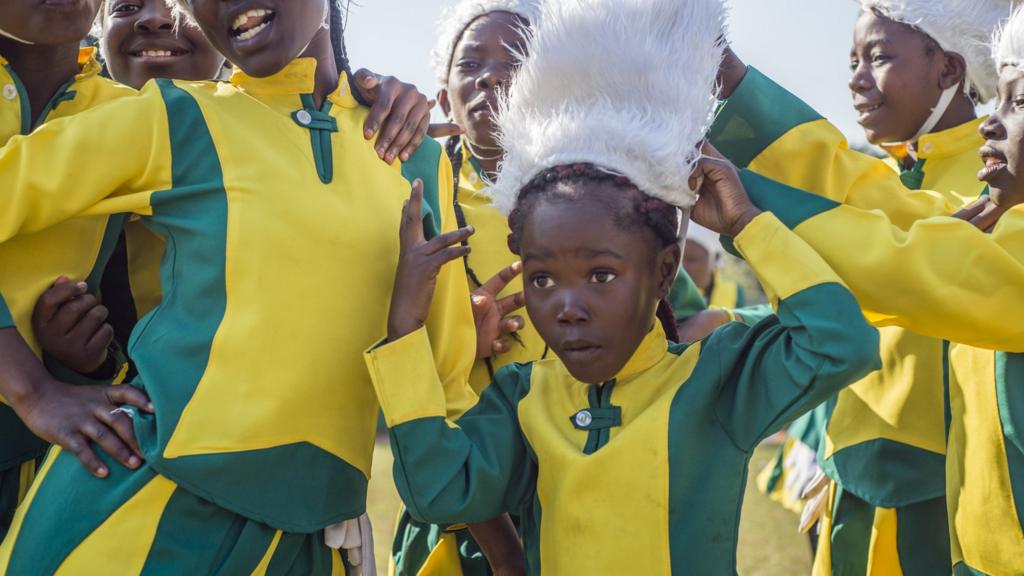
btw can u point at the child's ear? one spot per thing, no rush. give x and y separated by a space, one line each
668 267
954 70
446 106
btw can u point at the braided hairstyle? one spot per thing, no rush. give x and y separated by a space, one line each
642 212
337 21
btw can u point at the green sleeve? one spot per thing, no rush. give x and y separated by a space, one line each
472 471
817 343
6 318
685 297
751 315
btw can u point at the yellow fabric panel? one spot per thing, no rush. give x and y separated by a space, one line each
7 545
261 270
984 528
121 544
939 264
779 494
770 248
337 564
816 157
952 162
393 366
26 474
489 256
261 568
883 554
823 555
443 559
31 263
145 251
725 294
590 537
902 401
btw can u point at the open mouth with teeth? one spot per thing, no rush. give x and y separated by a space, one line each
149 53
250 23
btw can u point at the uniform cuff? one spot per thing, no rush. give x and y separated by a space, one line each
783 262
405 378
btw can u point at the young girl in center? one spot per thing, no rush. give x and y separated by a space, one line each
264 414
599 138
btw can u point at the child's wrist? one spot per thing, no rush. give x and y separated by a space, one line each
746 218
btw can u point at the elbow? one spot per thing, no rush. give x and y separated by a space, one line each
862 345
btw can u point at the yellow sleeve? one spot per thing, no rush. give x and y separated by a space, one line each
107 160
769 131
450 323
942 277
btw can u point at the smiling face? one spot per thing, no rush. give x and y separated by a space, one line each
260 36
141 42
592 282
482 65
1003 152
49 22
897 75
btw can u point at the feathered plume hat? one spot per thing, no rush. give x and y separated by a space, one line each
1008 48
625 85
457 17
961 26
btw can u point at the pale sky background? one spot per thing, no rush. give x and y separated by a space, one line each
803 44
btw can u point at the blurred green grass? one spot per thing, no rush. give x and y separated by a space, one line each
769 543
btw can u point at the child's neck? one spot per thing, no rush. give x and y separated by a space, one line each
961 111
42 69
327 75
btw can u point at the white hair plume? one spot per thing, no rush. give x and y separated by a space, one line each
458 16
1008 46
961 26
626 85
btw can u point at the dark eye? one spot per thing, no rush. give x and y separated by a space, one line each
1018 102
542 281
879 59
467 65
854 64
603 277
124 8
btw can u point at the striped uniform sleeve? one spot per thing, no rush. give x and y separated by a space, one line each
450 322
769 131
468 471
818 342
941 278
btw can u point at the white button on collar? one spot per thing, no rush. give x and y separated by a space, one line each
928 148
304 117
584 418
10 91
474 179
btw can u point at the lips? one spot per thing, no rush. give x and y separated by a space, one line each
249 24
484 107
157 50
866 110
579 351
995 163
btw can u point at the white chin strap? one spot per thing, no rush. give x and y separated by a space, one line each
945 100
15 38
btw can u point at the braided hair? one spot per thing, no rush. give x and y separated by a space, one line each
643 212
337 21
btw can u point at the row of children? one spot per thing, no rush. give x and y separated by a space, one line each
227 471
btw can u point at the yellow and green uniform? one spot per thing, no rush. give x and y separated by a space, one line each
280 224
725 294
77 249
664 445
426 549
938 276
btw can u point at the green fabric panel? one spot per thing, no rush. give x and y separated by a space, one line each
329 492
790 205
423 165
741 296
852 522
10 486
777 470
1010 397
26 105
414 541
115 225
18 443
471 473
685 297
61 95
757 114
751 315
888 474
197 537
817 344
6 318
529 518
301 555
705 546
947 409
922 538
962 569
70 503
807 429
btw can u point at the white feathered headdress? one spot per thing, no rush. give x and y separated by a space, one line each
626 85
1008 48
457 17
961 26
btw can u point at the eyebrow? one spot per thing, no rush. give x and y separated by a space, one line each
588 253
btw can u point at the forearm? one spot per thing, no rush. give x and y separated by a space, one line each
21 371
500 544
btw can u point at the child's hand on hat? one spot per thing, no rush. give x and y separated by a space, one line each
722 204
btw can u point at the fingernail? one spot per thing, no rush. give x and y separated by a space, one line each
150 407
82 286
134 462
102 472
405 156
390 157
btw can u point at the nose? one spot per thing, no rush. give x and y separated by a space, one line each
571 310
992 128
861 81
154 20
